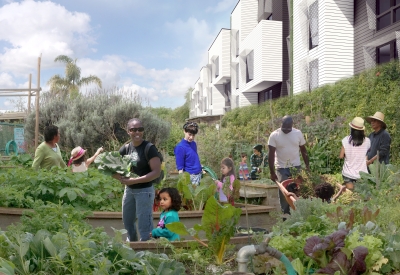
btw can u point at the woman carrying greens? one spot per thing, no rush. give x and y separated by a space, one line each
138 199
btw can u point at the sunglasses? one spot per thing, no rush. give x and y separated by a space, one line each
140 129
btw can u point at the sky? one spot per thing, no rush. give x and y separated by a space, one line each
153 47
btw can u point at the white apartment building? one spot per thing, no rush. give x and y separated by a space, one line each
247 63
323 42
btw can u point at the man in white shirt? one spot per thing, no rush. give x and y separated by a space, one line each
284 145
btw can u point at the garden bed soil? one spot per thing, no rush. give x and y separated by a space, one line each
258 215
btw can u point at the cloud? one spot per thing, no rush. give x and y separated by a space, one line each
154 84
32 28
222 6
6 81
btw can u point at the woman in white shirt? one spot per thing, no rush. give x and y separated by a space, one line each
354 151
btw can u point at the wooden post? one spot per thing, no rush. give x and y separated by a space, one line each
30 94
37 105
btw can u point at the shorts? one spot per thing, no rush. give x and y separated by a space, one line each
346 179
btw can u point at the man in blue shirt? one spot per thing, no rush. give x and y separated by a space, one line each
186 157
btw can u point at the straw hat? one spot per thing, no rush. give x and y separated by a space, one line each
77 153
357 123
378 116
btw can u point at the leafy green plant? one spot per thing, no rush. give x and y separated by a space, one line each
195 197
218 222
331 256
90 190
112 162
71 246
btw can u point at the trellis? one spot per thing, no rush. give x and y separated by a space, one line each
29 92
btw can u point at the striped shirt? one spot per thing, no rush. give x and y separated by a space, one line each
355 158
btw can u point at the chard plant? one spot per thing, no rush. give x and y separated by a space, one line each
218 223
194 197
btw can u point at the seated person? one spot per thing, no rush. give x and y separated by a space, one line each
243 169
258 160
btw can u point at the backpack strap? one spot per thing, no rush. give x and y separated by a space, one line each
146 150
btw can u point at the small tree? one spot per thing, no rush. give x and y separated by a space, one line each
70 84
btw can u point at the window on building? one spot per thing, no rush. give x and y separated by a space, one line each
237 76
313 74
386 52
227 94
250 67
237 43
264 10
267 95
205 104
313 25
216 63
210 96
387 13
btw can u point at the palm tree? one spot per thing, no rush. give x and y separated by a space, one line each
70 84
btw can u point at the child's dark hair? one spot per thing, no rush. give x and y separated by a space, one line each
80 160
176 200
243 154
324 191
191 127
228 162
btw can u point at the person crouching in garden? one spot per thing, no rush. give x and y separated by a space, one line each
138 199
354 151
78 160
257 161
186 157
170 202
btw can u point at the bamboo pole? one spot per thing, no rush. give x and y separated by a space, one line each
37 104
30 93
17 90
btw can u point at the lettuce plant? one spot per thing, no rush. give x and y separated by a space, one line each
333 257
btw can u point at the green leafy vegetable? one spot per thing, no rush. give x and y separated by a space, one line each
218 222
112 162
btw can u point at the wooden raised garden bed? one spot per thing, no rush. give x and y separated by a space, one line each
258 215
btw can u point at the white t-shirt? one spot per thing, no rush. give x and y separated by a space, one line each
355 158
287 147
80 168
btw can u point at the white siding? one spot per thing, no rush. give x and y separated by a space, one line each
219 99
266 42
335 48
244 18
221 49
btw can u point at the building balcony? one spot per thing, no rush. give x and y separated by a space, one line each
219 58
260 57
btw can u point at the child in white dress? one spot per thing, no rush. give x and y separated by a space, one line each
79 161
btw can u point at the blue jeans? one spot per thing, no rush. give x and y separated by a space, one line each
138 204
195 178
284 174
